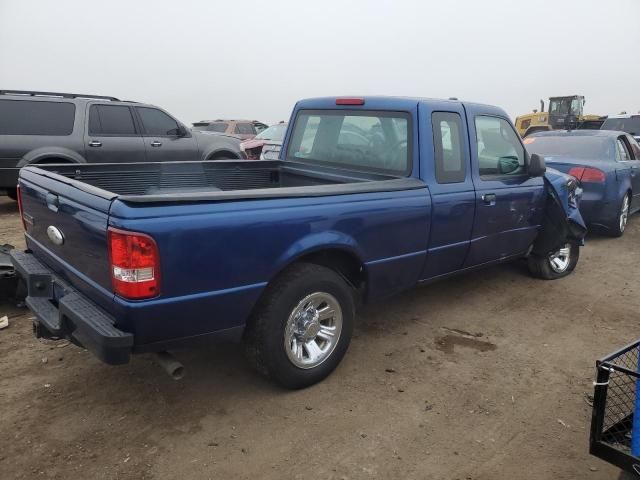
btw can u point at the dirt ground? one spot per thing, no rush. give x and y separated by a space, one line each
415 396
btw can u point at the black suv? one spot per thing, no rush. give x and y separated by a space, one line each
45 127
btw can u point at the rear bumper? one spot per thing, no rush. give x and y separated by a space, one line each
598 212
63 312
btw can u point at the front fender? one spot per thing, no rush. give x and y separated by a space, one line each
34 156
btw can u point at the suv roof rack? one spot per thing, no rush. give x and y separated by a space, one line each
29 93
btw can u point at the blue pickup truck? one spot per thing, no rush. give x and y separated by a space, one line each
370 196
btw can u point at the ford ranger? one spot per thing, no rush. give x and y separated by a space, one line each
370 196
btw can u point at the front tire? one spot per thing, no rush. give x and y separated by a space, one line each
302 326
556 265
619 225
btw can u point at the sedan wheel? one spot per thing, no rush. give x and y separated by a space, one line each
624 213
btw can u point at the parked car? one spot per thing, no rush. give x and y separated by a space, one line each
624 123
244 129
280 253
606 163
45 127
253 147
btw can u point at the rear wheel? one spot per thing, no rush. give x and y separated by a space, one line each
619 225
556 265
302 327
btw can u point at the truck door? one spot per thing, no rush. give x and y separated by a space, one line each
162 139
509 203
446 167
111 135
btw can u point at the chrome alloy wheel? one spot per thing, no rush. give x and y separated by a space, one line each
313 330
624 213
559 261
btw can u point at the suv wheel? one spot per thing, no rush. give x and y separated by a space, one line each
302 327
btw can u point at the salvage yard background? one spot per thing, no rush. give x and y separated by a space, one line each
486 376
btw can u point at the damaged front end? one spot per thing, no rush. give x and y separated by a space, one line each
562 222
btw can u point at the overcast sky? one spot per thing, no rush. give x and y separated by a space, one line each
254 59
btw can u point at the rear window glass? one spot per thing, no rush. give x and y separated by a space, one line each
110 120
363 140
579 147
629 125
24 117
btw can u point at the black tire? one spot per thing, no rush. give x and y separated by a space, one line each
541 267
12 193
224 156
614 229
265 332
628 476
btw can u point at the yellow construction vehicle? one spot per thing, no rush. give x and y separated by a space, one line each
564 112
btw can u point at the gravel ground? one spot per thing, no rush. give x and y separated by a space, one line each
484 376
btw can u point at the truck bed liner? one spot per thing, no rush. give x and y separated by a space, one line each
217 180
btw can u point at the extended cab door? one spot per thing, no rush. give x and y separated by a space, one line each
162 137
111 135
509 203
446 167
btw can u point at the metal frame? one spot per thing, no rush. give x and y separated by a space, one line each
29 93
597 446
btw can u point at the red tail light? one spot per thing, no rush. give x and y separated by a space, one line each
134 263
349 101
588 174
19 197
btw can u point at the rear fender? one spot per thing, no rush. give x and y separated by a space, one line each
316 242
39 154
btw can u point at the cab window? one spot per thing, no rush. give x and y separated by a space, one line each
447 145
500 152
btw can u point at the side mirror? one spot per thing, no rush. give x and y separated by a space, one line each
178 132
537 165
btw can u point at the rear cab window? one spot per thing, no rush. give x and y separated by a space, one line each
448 147
27 117
363 140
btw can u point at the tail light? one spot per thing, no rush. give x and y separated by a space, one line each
134 263
19 197
588 174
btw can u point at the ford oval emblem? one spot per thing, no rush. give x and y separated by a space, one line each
55 235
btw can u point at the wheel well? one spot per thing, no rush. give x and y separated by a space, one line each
50 160
344 263
223 155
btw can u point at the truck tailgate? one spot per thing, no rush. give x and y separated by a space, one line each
66 228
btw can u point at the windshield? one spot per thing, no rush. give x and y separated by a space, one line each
581 147
630 125
274 132
370 140
564 106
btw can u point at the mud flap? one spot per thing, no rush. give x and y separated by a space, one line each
562 222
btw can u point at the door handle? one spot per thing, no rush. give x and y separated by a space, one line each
53 202
95 143
156 143
489 199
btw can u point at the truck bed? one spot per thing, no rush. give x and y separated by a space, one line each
217 180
